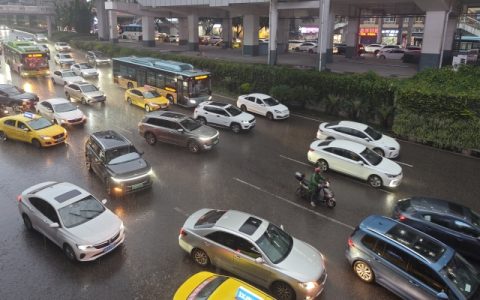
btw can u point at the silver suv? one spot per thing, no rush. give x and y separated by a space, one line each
223 115
84 92
176 128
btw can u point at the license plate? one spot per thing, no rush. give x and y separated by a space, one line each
60 140
137 186
108 248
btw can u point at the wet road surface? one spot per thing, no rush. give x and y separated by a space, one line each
251 172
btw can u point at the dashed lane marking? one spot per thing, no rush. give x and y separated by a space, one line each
297 161
405 164
295 204
306 118
181 211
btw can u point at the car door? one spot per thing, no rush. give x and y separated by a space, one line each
138 98
9 127
223 117
259 107
467 238
96 157
75 91
425 283
245 265
76 69
162 129
354 165
342 133
24 133
46 110
57 77
219 246
175 136
359 137
249 102
44 217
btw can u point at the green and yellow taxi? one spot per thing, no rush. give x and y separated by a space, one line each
147 98
31 128
206 285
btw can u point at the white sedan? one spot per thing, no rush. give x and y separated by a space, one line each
362 134
62 46
355 160
84 70
61 111
65 77
72 219
306 46
373 48
63 59
392 53
263 105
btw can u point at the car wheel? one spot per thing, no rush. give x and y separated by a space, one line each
375 181
379 151
376 52
27 222
3 136
64 83
83 101
243 108
129 101
67 95
69 253
147 108
202 120
331 203
170 98
310 51
363 271
36 143
323 165
236 128
53 80
200 257
150 138
88 165
194 147
269 116
382 56
282 291
130 85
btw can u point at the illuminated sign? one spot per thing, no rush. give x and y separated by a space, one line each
28 115
170 89
244 294
373 31
35 55
201 77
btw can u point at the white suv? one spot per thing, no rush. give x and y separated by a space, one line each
224 115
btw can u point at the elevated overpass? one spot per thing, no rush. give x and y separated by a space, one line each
12 11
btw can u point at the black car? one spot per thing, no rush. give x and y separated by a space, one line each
455 225
117 162
16 100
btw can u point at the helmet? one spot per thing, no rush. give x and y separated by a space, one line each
318 170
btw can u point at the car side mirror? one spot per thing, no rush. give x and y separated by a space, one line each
26 129
367 139
442 296
259 260
54 225
281 227
104 201
180 130
359 162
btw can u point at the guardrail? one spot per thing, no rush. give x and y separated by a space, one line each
27 10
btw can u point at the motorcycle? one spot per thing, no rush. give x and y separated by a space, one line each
323 189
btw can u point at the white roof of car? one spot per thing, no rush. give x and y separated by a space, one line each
354 125
62 194
56 101
352 146
234 219
258 95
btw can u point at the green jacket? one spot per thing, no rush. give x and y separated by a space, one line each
315 179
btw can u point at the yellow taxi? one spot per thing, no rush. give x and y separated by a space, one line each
147 98
31 128
206 285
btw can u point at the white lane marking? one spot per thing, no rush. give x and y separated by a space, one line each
307 118
181 211
297 161
295 204
405 164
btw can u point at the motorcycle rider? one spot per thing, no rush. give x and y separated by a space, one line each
315 180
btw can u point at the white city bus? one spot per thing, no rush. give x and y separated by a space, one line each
130 32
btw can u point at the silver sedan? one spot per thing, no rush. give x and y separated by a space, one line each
255 250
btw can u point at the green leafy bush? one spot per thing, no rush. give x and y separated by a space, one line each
245 88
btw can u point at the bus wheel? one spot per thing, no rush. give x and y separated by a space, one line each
170 98
130 85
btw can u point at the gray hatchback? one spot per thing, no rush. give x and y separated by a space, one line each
176 128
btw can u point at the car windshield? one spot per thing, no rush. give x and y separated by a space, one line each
121 155
39 123
65 56
462 274
62 44
151 94
68 74
85 66
64 107
88 88
100 55
373 133
12 91
80 211
233 110
270 101
206 288
275 243
475 218
371 156
190 124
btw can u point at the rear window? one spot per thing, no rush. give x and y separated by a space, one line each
403 205
206 288
209 219
330 124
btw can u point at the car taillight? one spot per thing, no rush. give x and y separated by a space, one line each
402 217
311 149
19 198
350 242
183 232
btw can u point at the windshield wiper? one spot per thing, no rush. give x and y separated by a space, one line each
79 215
92 210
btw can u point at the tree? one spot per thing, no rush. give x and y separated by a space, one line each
237 23
207 24
75 14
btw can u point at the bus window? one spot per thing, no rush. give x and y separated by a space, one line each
151 79
170 81
200 87
160 81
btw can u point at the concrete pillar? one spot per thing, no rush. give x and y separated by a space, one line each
351 38
409 30
49 26
283 35
432 39
400 31
323 33
380 28
331 30
449 38
227 32
112 28
182 31
251 24
192 32
148 31
102 19
273 27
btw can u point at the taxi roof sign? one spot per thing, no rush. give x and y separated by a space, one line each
29 115
244 294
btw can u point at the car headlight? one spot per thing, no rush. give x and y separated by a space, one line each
308 285
245 121
193 101
150 173
391 175
277 111
392 148
63 121
122 227
205 139
209 98
153 104
84 247
46 138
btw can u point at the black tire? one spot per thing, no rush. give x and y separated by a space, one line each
170 98
3 136
194 147
323 165
150 138
270 116
236 128
27 222
129 101
382 57
148 108
331 203
64 83
36 143
69 253
376 52
200 257
375 181
282 291
129 85
243 108
202 120
310 51
379 152
363 271
83 101
67 95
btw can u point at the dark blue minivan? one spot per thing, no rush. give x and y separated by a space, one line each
408 262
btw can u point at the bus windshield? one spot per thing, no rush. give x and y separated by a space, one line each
200 87
35 63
